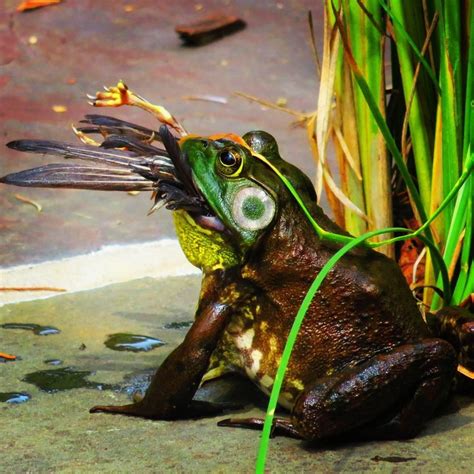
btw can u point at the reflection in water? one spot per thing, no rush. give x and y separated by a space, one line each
132 342
14 397
67 378
36 328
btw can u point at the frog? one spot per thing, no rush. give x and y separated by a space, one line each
365 363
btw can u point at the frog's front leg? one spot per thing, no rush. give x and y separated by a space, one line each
172 388
389 396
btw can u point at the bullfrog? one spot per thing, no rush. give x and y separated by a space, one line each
364 363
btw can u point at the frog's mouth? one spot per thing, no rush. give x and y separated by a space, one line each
126 160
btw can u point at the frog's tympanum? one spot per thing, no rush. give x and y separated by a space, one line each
364 364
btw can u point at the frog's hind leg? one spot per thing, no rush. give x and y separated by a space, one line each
388 397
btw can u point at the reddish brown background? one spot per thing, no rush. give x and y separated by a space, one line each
84 44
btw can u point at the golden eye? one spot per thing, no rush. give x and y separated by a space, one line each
230 162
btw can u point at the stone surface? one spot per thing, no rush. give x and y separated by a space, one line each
55 432
83 44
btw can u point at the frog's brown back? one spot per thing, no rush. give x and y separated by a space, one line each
364 307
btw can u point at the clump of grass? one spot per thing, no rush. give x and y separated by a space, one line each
408 123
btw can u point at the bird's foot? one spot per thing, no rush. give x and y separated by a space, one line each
114 96
119 95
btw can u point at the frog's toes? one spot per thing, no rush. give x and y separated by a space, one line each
114 96
280 426
132 409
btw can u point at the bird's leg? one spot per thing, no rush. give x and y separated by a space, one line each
84 138
119 95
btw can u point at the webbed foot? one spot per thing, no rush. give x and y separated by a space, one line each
195 409
132 409
280 426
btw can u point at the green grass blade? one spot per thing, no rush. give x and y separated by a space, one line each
379 119
265 439
421 111
409 39
459 293
451 95
367 44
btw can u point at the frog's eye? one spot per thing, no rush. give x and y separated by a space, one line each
230 162
253 208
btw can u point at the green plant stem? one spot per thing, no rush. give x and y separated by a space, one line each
451 95
418 108
279 377
466 261
390 141
438 261
410 41
350 243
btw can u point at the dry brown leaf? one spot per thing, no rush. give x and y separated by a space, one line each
26 200
207 98
59 109
32 288
326 95
33 4
272 105
341 196
347 152
3 355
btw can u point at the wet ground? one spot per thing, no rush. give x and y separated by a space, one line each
67 373
52 57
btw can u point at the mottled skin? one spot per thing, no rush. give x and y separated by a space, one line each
364 362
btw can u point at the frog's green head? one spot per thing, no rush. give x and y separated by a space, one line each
239 188
225 194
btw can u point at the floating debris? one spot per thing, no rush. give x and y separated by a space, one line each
207 98
53 361
209 29
31 288
135 315
132 342
33 4
178 325
59 109
36 328
14 397
395 459
26 200
6 357
67 378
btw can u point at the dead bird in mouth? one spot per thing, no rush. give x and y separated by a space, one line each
126 160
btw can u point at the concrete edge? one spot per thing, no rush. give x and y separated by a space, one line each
111 264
